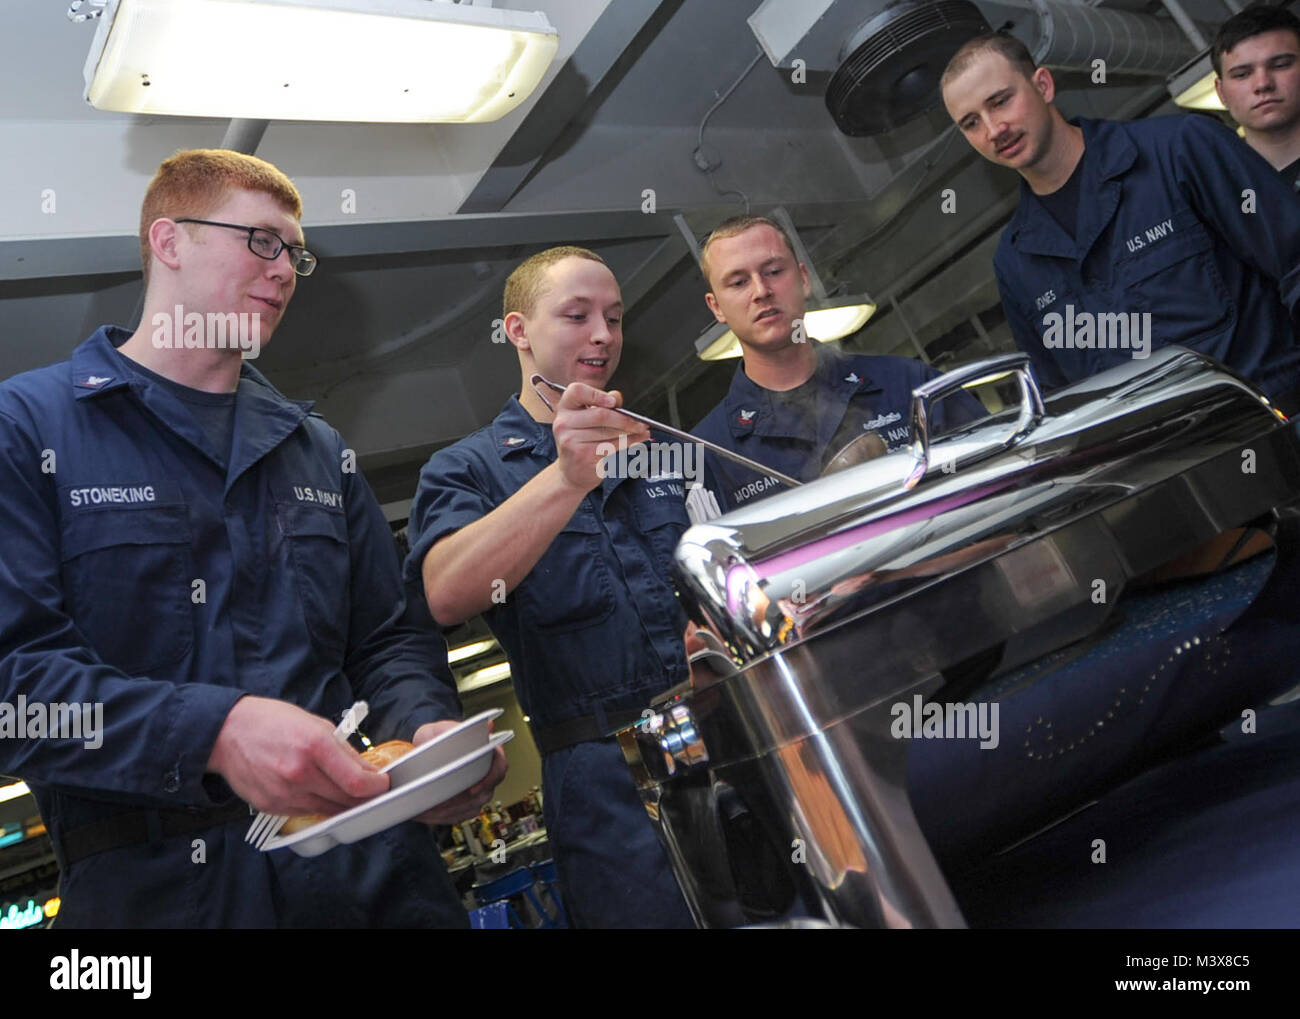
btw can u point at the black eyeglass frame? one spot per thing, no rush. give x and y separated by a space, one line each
296 251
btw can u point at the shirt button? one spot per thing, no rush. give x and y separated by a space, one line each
172 780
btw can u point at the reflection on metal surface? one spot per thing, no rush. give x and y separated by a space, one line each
856 591
787 566
989 370
866 446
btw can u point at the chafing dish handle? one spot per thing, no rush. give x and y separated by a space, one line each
991 369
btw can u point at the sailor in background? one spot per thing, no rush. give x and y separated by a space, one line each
1169 226
1175 219
1256 57
570 566
794 403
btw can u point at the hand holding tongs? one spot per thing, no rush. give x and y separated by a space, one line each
677 433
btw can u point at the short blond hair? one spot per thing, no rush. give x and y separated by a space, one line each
738 225
1004 44
528 282
193 182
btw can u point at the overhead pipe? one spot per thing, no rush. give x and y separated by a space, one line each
244 135
1185 22
1071 36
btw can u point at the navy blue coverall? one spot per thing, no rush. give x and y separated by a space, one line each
1179 220
595 629
113 507
759 424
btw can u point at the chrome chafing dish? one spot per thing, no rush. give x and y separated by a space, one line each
774 779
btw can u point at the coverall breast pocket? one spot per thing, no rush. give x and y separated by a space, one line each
662 519
127 578
1177 282
318 555
570 588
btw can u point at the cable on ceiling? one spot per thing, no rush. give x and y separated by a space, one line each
699 157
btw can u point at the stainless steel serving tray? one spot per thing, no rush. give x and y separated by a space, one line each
1151 452
1006 539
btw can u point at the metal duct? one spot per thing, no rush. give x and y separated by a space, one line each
244 135
1071 36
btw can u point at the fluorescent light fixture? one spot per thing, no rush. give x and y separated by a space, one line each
1201 95
12 792
468 651
1192 85
394 61
717 343
484 677
837 318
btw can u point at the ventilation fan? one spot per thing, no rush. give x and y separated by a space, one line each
890 66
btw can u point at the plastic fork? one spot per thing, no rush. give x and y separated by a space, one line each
267 826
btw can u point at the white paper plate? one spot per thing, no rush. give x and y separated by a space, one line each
444 748
395 806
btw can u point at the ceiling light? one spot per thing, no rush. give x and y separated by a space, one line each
1192 85
468 651
398 61
717 343
12 792
484 677
837 317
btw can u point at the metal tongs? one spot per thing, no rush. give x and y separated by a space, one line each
676 433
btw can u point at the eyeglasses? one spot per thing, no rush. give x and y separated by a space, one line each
268 245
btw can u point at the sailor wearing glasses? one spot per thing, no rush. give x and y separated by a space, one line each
194 552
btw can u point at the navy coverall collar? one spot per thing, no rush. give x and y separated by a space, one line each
264 417
514 430
753 410
1108 154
